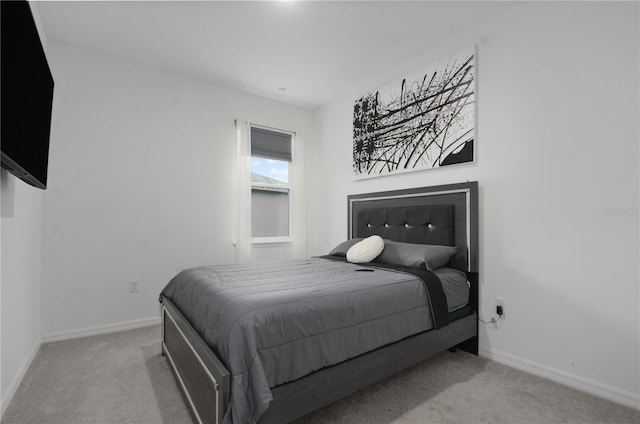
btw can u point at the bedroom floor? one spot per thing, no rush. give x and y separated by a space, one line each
122 378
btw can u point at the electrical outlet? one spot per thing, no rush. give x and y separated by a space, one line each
501 301
134 286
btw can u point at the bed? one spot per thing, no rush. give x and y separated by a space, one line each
300 310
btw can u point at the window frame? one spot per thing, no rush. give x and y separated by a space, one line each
275 240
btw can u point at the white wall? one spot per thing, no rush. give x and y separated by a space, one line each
20 276
141 185
558 107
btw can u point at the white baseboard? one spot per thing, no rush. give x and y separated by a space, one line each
602 390
17 379
100 329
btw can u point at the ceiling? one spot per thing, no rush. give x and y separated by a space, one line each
305 53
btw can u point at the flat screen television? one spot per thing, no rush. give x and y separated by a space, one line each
27 95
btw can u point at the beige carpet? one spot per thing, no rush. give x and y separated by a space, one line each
122 378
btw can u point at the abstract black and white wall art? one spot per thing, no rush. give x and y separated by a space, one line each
425 121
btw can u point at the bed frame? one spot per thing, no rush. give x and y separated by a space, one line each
446 214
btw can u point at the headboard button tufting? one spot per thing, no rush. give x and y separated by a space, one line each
386 225
429 226
406 225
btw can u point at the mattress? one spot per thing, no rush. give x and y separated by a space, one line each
275 322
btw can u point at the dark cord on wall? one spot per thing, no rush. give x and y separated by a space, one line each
493 320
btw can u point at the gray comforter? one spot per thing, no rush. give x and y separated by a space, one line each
275 322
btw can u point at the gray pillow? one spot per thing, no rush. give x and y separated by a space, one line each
342 248
429 256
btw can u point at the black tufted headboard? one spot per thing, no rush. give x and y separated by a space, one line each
445 215
417 224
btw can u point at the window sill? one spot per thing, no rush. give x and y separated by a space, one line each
271 241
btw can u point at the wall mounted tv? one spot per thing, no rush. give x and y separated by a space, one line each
27 95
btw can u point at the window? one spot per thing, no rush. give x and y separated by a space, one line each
270 185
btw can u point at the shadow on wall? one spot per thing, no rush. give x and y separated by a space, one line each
8 190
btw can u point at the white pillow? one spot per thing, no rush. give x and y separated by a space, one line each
365 250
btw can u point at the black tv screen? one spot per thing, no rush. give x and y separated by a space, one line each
27 95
